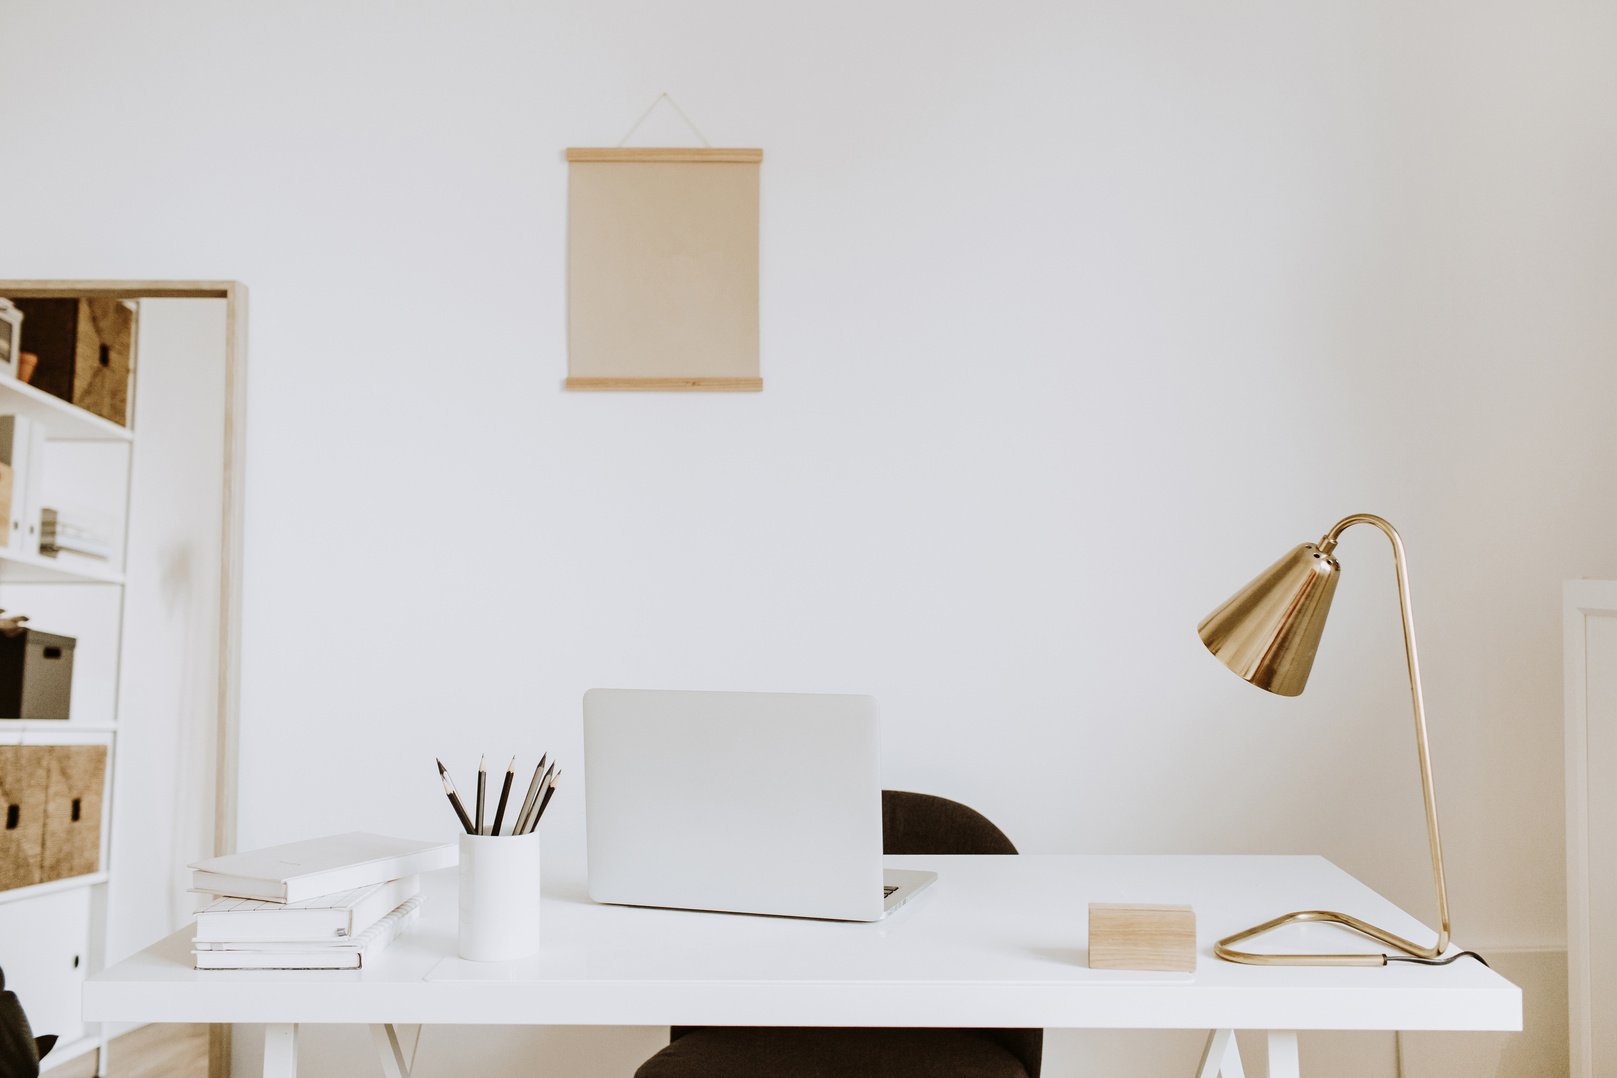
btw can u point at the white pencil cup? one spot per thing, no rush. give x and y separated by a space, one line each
499 897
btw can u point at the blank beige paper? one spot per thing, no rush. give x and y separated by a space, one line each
662 268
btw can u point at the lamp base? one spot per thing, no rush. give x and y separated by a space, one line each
1225 948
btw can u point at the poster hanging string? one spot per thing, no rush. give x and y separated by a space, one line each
675 105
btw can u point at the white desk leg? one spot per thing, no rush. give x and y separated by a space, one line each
1221 1058
1283 1059
391 1049
281 1051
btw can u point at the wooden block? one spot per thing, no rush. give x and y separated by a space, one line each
24 773
1159 938
689 155
73 811
694 382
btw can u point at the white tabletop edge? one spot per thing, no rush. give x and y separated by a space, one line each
956 957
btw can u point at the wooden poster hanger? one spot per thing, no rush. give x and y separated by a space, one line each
662 265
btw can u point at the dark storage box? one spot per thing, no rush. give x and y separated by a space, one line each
36 675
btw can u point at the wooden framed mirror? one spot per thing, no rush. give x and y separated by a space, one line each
135 411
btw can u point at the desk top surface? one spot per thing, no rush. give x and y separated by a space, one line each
997 941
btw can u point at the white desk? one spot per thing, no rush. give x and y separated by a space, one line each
997 941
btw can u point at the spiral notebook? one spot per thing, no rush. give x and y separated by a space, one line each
335 917
352 953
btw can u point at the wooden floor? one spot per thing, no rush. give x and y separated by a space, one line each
162 1051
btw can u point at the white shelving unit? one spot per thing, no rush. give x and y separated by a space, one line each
58 928
45 732
19 568
63 422
167 691
73 883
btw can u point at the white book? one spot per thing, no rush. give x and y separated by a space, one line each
228 923
319 866
52 547
75 534
71 523
33 504
361 948
22 445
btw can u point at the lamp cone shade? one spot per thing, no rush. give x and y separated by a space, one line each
1269 631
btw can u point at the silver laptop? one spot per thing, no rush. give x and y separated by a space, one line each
741 802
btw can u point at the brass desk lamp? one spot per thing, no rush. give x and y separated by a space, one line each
1268 633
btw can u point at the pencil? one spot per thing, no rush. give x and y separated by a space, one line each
482 784
505 794
535 785
544 788
454 799
540 811
533 805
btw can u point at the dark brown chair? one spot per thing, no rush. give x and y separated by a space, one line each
911 823
20 1050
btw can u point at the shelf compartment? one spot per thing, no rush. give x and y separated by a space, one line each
51 887
61 420
55 732
65 1053
17 567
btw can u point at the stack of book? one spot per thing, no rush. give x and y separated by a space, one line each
66 531
324 903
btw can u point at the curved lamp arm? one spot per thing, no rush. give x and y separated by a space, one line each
1224 948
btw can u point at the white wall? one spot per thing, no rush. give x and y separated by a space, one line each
1075 315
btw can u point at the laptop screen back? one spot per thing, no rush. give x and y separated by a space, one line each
743 802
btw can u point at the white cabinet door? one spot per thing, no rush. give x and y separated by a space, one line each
44 950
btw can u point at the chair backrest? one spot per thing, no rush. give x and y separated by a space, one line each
20 1050
926 823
